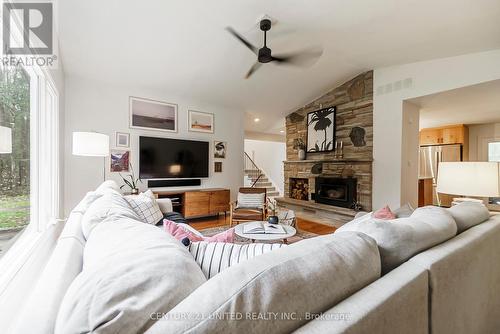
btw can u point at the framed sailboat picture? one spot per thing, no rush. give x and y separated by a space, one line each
321 130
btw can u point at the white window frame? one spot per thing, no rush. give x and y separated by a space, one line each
45 175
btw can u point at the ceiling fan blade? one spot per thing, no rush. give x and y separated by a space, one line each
242 39
252 69
303 58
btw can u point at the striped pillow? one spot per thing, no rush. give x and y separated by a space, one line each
214 257
253 201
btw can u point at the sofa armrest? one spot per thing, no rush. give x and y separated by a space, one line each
165 204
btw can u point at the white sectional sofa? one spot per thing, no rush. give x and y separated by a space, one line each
111 273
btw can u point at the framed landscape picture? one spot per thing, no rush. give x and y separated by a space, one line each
119 161
321 130
200 121
152 115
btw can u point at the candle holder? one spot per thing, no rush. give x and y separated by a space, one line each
339 150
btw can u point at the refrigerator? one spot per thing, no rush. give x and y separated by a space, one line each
429 160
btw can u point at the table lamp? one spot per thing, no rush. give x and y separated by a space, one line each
91 144
478 179
5 140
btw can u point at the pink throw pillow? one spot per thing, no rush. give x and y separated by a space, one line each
384 213
180 233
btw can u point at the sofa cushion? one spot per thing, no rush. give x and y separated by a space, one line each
111 205
400 239
309 276
468 214
214 257
131 270
404 211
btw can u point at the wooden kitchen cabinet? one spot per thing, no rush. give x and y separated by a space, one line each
453 134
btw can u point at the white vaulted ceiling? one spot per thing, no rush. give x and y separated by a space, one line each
181 47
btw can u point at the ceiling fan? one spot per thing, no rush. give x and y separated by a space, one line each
264 54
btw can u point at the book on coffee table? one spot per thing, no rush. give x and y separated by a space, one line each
263 227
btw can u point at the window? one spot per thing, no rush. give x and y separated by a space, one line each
494 151
494 155
15 157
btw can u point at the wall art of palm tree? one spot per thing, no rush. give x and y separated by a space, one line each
321 130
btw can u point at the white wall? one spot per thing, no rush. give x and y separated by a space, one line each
410 154
269 156
391 89
479 137
94 106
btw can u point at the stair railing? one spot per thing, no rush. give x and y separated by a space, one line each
251 169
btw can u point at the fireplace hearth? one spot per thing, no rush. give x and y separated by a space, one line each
336 191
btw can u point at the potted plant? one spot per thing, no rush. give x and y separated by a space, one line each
131 181
271 206
299 145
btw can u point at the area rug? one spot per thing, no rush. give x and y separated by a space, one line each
301 235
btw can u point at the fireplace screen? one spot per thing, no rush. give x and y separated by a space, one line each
336 191
299 188
333 191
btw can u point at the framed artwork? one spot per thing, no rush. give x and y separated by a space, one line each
119 161
321 130
200 121
152 115
220 149
218 166
122 139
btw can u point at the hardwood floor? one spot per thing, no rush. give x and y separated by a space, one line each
304 225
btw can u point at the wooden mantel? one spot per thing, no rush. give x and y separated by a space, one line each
329 161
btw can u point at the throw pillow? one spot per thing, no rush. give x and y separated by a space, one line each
384 213
251 201
404 211
214 257
146 207
179 232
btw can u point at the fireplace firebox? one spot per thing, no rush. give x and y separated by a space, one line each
336 191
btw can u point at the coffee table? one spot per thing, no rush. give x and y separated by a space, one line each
290 232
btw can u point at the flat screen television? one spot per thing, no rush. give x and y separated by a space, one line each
172 158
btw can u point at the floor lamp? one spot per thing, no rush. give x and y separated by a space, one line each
91 144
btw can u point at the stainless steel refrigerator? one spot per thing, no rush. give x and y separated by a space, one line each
430 158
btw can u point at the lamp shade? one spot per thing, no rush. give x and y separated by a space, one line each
90 144
5 140
478 179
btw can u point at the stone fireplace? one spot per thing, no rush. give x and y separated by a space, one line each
334 182
336 191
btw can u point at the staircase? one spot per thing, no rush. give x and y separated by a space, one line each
256 178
